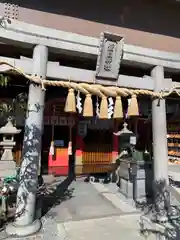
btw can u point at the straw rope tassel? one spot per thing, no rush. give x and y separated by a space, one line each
51 150
133 109
103 108
70 105
118 109
88 106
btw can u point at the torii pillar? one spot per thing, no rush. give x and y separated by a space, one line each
160 151
25 220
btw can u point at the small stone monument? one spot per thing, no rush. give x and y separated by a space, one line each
7 163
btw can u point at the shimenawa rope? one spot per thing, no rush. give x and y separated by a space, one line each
95 89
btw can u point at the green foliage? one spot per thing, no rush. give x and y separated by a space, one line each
4 80
9 108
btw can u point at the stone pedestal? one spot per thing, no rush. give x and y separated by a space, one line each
7 168
135 179
143 180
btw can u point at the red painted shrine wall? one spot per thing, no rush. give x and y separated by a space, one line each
58 138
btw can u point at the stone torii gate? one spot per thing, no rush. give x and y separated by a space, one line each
25 222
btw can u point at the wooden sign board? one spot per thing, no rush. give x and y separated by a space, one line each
110 55
59 121
102 124
82 129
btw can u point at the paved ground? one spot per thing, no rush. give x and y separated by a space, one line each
115 227
87 211
174 167
84 202
174 171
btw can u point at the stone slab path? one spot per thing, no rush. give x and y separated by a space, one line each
115 227
85 202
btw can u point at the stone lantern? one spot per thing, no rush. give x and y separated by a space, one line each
135 168
7 163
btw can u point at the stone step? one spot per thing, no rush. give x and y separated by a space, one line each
175 191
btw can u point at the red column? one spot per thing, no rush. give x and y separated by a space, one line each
79 155
115 143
